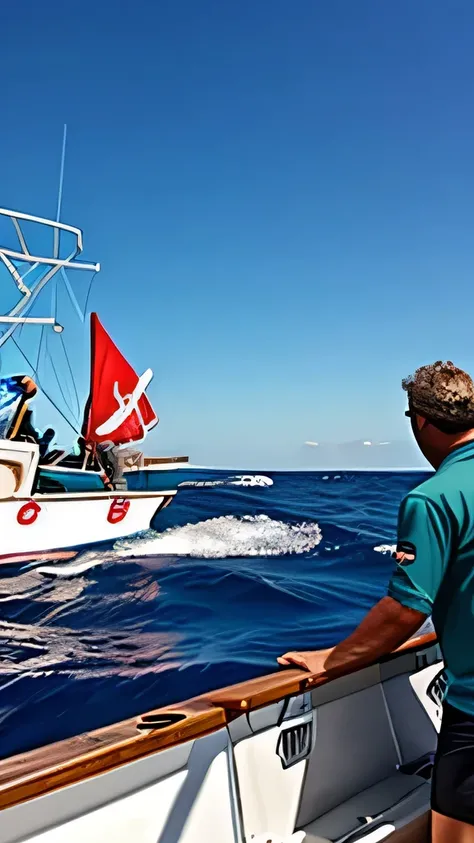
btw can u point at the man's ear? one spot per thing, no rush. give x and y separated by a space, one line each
420 421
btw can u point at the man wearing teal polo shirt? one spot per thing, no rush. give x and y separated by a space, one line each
434 576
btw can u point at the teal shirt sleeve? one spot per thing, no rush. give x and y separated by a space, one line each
424 531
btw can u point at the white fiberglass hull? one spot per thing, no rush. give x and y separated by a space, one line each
49 522
287 757
33 523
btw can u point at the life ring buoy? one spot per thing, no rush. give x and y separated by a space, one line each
28 513
118 510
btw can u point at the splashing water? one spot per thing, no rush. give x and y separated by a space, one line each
227 536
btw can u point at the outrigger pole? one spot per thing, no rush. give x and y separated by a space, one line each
60 192
61 173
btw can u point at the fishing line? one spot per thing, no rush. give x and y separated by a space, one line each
40 347
51 361
58 409
76 396
72 394
89 292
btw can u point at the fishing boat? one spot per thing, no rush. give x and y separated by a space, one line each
287 757
56 499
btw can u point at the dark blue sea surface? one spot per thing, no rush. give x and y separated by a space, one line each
239 576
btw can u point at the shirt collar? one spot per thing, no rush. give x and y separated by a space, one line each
459 454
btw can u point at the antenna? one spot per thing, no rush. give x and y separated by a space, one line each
58 210
61 174
56 243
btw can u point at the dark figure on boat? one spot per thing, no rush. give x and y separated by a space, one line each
98 457
45 441
15 415
16 418
113 466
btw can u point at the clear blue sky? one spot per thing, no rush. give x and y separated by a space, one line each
280 194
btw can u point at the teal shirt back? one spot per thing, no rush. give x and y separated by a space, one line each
436 531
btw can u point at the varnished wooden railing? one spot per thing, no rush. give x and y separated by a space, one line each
270 689
40 771
43 770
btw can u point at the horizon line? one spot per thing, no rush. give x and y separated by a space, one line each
314 470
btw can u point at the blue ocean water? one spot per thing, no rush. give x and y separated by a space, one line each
235 577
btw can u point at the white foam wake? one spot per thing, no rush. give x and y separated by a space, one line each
239 480
226 536
88 561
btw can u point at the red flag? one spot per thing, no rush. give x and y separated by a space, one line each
117 409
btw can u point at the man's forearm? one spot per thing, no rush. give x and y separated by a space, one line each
386 626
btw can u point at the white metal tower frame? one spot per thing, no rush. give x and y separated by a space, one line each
53 264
